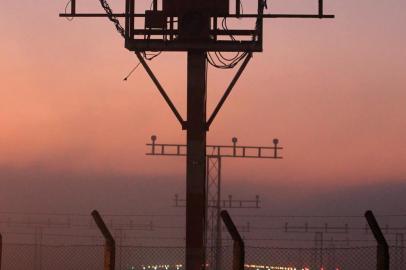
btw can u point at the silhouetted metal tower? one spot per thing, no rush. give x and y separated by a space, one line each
198 27
215 204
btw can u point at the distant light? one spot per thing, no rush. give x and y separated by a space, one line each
271 267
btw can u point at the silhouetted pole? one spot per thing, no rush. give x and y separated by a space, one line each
196 161
195 25
110 244
382 260
238 247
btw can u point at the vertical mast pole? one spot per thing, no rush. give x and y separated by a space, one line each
196 161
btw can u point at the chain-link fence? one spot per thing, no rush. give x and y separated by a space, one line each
354 258
131 257
363 258
89 257
398 259
36 257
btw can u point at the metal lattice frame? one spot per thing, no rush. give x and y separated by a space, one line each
213 216
215 204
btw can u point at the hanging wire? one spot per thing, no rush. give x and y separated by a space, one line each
66 10
131 72
120 29
150 55
222 61
218 59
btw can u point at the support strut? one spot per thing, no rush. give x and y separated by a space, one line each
228 90
161 89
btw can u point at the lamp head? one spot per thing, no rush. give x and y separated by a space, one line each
275 141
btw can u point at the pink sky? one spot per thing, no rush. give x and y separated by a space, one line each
333 92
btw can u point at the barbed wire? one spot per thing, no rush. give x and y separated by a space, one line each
77 214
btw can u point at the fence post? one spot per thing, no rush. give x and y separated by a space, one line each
382 262
110 244
238 248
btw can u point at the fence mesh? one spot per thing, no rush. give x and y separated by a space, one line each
89 257
131 257
312 258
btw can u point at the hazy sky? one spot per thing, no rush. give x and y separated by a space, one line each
332 91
